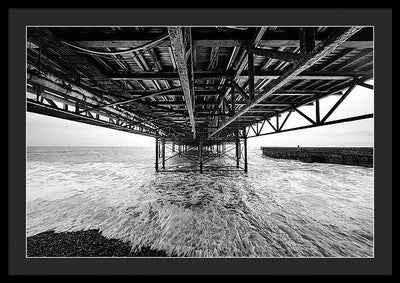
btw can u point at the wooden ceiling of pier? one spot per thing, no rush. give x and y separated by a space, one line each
97 59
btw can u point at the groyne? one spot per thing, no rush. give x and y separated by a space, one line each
358 156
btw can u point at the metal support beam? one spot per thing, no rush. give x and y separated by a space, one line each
181 44
233 101
245 150
309 59
274 39
250 67
350 89
307 39
277 122
237 149
279 55
163 153
201 155
132 100
284 121
366 85
243 59
156 164
305 116
227 74
242 93
344 120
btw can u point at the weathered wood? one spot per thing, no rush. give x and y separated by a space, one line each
330 44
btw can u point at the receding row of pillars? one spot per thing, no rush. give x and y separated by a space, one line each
220 149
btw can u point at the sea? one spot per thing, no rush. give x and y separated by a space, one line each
280 208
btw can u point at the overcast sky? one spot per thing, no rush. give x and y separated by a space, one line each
48 131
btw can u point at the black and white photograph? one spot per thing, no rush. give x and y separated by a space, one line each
200 141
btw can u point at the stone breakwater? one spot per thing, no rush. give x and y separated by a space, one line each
357 156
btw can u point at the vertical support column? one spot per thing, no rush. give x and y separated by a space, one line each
233 98
307 39
156 155
201 155
250 68
163 153
317 114
245 149
237 149
277 122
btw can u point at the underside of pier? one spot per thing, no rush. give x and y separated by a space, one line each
196 90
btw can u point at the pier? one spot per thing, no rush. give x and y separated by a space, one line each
201 92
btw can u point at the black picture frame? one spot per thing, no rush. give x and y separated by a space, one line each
381 264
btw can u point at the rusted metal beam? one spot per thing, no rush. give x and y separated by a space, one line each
331 43
179 48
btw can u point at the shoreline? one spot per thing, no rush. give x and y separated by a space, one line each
83 243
